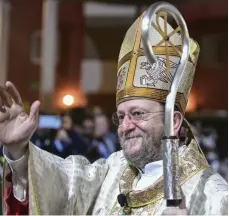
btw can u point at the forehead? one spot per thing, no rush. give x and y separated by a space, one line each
145 104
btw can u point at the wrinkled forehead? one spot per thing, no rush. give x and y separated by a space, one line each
141 104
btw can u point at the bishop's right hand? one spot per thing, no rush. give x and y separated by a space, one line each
16 127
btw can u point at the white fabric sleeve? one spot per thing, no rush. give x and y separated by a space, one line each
19 169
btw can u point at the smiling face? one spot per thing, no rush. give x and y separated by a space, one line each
140 137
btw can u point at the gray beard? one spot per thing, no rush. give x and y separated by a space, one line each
150 151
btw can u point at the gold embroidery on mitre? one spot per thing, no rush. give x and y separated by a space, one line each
156 94
166 37
191 161
133 61
163 48
157 51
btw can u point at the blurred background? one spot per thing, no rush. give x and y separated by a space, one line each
64 53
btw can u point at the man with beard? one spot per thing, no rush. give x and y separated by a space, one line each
141 140
129 181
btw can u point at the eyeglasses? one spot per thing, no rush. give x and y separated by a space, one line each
136 116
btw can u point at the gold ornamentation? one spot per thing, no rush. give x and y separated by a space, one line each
3 187
157 51
166 37
157 94
133 61
38 209
191 162
166 44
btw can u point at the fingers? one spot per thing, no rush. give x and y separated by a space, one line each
2 108
34 110
11 89
5 98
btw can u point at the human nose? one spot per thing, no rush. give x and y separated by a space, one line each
127 124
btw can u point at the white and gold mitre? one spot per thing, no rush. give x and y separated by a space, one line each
137 78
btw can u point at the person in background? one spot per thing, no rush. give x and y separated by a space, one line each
97 111
41 138
223 170
104 142
102 132
88 127
207 138
68 141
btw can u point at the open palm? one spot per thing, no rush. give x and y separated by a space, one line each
16 127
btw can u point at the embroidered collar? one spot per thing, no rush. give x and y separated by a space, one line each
191 160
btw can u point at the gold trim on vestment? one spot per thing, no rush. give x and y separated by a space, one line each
3 187
191 162
38 209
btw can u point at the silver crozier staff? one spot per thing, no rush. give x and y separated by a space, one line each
170 143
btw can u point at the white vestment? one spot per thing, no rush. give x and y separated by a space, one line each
74 186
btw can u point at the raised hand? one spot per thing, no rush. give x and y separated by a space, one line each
16 127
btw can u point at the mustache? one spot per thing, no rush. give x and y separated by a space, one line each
130 135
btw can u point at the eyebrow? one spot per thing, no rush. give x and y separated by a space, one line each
133 108
120 112
139 108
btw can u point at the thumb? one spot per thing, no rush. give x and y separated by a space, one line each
34 110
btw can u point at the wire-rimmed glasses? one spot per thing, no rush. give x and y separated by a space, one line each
135 116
